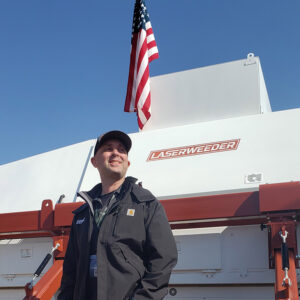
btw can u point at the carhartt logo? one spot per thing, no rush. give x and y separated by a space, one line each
130 212
80 221
194 150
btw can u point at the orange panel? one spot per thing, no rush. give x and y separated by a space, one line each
47 286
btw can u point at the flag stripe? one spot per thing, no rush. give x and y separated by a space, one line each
149 31
146 107
152 45
142 86
144 94
141 56
130 77
150 38
153 56
148 25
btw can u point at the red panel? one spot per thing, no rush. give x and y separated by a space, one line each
279 196
215 223
25 235
63 215
21 221
270 198
212 207
46 220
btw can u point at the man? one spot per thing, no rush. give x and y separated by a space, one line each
121 246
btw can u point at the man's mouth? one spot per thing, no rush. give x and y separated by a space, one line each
114 162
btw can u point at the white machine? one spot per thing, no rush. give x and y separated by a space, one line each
212 132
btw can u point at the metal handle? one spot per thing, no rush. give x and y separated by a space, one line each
42 266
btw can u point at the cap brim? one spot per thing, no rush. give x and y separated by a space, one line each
114 135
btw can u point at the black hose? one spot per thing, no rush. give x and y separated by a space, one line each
42 266
285 256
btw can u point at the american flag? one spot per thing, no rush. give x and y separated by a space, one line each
143 51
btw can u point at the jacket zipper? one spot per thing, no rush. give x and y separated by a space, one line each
115 214
116 204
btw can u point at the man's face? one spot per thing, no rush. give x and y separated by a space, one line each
111 160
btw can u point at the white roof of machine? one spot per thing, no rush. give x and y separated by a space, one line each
215 92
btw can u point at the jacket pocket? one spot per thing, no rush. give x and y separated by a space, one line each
129 295
133 260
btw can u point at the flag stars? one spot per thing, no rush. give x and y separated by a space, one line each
140 16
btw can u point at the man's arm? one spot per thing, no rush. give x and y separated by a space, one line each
160 256
69 270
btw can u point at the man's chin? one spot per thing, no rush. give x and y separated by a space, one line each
117 174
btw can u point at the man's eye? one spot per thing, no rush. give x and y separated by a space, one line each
121 150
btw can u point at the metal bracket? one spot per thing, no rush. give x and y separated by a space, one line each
286 280
276 235
283 235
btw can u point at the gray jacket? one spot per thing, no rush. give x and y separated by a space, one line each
136 250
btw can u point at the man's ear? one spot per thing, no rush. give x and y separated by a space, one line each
93 161
128 163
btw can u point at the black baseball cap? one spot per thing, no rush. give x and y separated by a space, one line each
113 135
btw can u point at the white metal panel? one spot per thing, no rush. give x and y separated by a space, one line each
268 146
19 259
243 258
15 294
264 98
198 251
215 92
24 184
221 293
12 294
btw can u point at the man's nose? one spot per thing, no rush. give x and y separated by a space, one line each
115 151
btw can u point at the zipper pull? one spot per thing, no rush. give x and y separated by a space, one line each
116 212
115 215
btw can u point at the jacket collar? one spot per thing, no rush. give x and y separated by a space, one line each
141 194
96 191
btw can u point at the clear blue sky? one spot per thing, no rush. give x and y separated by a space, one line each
64 63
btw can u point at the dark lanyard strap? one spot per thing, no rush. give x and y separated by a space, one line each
100 213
